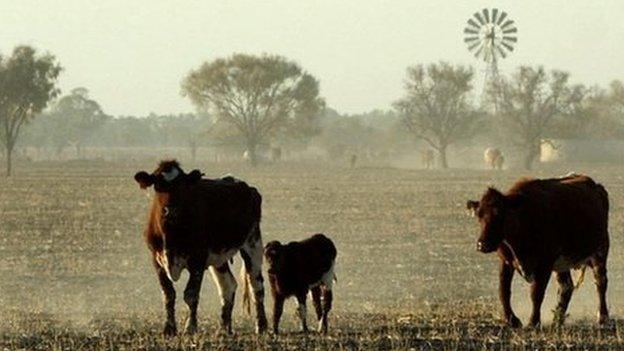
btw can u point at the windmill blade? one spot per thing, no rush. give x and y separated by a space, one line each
470 31
470 39
486 14
512 39
501 51
479 18
473 23
494 15
510 30
507 24
478 52
472 46
502 18
509 47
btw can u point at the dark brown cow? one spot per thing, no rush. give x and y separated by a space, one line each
541 226
198 223
298 267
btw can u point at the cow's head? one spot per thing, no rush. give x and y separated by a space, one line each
274 255
492 211
167 177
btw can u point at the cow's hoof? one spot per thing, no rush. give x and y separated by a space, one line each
514 322
190 328
170 330
262 326
603 319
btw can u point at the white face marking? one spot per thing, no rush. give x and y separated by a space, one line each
171 175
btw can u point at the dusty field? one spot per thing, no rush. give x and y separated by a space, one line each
75 274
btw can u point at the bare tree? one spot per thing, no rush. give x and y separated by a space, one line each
437 106
27 84
258 95
529 102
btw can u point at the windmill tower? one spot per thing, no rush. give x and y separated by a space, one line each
490 36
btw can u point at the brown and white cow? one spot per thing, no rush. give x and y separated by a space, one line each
197 223
494 158
427 158
295 269
546 225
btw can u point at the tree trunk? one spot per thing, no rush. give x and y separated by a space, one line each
251 150
443 160
9 161
533 151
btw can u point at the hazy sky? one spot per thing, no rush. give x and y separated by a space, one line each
132 55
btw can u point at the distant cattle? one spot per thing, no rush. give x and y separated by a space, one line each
276 154
427 158
196 223
494 158
296 268
544 226
353 160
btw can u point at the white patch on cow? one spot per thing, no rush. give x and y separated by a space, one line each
327 279
226 284
217 259
171 175
173 267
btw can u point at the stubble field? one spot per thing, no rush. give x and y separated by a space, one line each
75 273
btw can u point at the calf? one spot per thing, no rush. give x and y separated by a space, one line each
296 268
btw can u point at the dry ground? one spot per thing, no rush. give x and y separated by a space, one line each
75 274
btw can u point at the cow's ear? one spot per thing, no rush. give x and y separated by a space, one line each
144 179
194 176
514 201
472 206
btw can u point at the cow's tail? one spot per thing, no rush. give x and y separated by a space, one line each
245 278
580 279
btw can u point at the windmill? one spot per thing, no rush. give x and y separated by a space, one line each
490 36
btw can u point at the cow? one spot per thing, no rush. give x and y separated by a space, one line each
494 158
295 269
427 156
541 226
276 154
197 223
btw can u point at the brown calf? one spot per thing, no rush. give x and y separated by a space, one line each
296 268
544 226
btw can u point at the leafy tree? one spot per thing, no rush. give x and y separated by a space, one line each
75 118
529 102
257 95
27 84
437 106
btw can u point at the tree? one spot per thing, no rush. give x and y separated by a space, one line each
257 95
75 118
27 84
437 106
529 102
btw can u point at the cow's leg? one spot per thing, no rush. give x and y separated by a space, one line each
566 287
301 310
191 297
316 300
538 288
278 308
327 305
599 267
169 296
252 258
504 292
227 288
